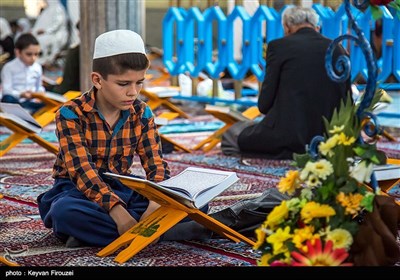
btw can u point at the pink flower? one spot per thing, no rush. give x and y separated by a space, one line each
318 256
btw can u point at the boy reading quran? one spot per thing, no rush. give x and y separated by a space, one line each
99 132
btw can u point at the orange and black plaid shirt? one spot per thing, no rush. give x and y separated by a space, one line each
89 147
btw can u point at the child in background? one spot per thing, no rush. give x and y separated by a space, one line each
22 76
99 132
6 42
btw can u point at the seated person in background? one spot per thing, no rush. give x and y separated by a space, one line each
14 27
23 75
6 42
51 30
71 72
103 131
296 93
23 26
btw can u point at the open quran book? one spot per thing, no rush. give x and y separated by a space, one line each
387 172
193 187
163 92
19 116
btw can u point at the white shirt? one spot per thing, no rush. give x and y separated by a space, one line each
16 78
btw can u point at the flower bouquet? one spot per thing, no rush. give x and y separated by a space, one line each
330 195
336 215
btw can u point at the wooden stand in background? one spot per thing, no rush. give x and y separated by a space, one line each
21 133
43 116
156 100
211 141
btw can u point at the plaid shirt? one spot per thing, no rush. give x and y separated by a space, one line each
89 147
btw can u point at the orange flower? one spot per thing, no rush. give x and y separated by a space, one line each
318 256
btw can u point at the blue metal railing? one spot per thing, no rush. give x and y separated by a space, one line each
182 28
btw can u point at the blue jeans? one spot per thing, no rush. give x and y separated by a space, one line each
70 213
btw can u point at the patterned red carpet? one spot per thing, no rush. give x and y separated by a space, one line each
25 172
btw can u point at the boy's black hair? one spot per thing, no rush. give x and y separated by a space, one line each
119 64
26 40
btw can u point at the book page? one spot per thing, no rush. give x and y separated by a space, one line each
223 109
55 96
20 122
163 91
193 182
387 172
160 121
18 111
193 187
49 80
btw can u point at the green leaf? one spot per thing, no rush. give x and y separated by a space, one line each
368 202
334 221
395 5
382 158
350 226
326 190
339 160
375 99
359 151
301 159
349 187
376 12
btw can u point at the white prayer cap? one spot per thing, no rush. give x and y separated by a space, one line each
118 42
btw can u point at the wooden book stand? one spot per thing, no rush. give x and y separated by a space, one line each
210 142
166 216
154 101
387 185
52 105
44 116
21 133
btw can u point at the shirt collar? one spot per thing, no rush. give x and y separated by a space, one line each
90 104
90 101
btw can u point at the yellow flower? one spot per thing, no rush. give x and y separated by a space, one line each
306 170
261 237
289 183
326 148
346 141
336 129
264 260
350 202
323 169
277 215
341 238
277 240
313 181
293 204
303 234
315 210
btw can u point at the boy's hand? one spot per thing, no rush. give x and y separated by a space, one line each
150 209
122 218
27 94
